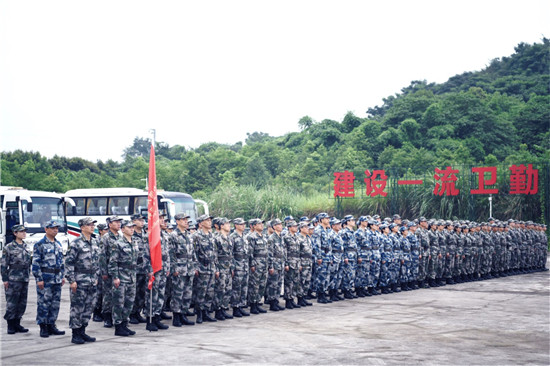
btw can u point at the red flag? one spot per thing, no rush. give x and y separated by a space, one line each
153 213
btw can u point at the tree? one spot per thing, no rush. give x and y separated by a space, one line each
305 122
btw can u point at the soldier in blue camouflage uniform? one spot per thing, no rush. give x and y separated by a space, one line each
82 271
452 247
123 256
405 259
337 263
259 252
107 285
306 263
241 260
397 257
375 257
424 240
350 263
183 267
415 256
143 269
276 265
292 266
386 251
322 253
207 259
363 240
102 229
49 270
16 264
224 282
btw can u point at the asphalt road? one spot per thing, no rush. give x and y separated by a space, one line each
503 321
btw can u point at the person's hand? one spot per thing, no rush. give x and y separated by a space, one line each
271 271
73 287
217 275
40 285
116 282
6 285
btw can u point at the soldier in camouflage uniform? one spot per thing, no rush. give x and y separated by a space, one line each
374 275
306 263
350 263
224 283
386 251
441 237
363 240
207 260
435 254
276 264
123 256
102 229
321 252
293 264
424 240
397 257
49 270
16 264
107 285
183 267
259 252
337 265
82 271
143 269
450 260
415 256
241 260
405 259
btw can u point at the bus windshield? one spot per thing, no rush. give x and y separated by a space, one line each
184 205
44 209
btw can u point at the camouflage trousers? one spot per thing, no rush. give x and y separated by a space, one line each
423 266
16 299
167 294
415 269
313 282
323 276
395 268
449 265
292 282
336 275
374 274
305 281
204 290
141 291
159 285
432 266
385 273
239 296
362 273
123 301
48 302
182 293
82 305
405 273
441 265
257 283
107 288
458 265
348 273
467 266
222 289
99 293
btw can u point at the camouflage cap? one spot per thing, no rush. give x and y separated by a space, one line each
18 228
411 224
304 218
402 228
102 227
383 226
86 221
288 218
376 217
361 219
238 221
335 221
127 223
182 216
396 217
275 222
204 218
137 217
52 224
223 221
303 224
422 219
113 219
255 221
391 226
322 215
291 223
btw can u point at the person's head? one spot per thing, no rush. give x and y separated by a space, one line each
182 220
324 219
87 226
20 232
404 231
348 221
239 224
127 228
205 222
114 223
224 225
259 227
396 219
304 227
139 221
292 227
277 225
52 228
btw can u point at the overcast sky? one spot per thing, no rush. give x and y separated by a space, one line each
83 78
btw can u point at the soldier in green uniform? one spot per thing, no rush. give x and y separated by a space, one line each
107 241
16 265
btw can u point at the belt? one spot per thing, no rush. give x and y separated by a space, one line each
19 266
364 247
239 257
337 251
51 270
85 271
224 257
260 255
305 256
127 266
406 251
375 247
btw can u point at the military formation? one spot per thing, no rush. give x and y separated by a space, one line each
215 272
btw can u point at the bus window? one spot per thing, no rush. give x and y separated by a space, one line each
97 206
44 210
79 209
140 205
119 205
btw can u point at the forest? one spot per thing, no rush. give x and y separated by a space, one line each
499 116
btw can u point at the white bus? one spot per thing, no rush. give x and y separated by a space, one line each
33 209
99 203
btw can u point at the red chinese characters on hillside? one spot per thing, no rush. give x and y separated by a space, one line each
523 180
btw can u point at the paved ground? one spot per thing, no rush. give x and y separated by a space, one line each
503 321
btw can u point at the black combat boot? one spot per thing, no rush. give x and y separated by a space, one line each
107 320
44 331
52 329
151 327
165 316
260 309
237 312
125 326
140 318
134 319
159 325
11 326
121 331
367 291
199 316
18 327
253 309
348 295
244 312
310 295
294 303
207 317
321 298
304 302
219 316
281 308
273 305
84 336
186 321
190 313
385 290
176 322
333 297
77 338
97 315
226 314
